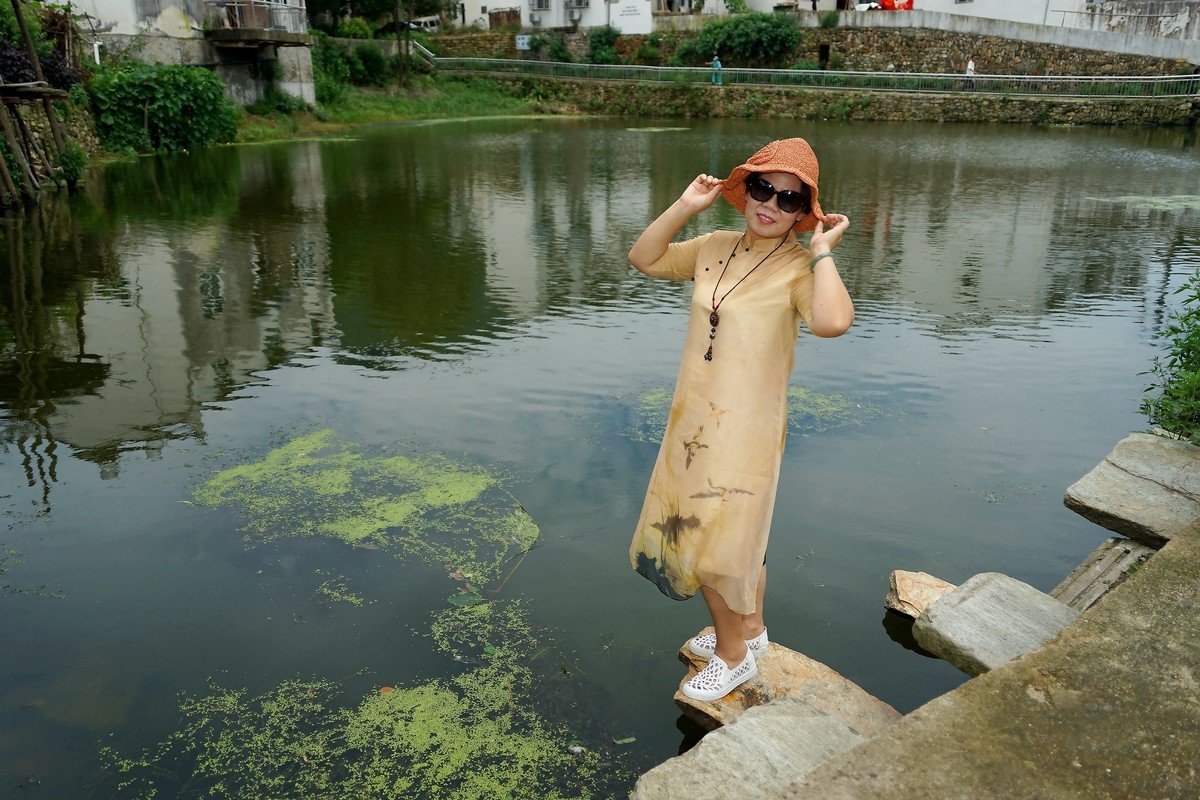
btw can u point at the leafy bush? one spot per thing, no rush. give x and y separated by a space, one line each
331 69
829 19
73 161
558 50
602 45
373 63
353 28
737 6
14 62
749 40
57 69
1176 408
277 101
9 29
151 107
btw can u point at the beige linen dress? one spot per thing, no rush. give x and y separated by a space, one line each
708 510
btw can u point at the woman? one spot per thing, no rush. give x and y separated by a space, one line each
707 512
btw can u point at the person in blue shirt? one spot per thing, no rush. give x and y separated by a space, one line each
716 70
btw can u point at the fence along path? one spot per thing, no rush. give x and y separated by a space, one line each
1083 86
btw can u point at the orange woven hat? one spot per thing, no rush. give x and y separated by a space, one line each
783 155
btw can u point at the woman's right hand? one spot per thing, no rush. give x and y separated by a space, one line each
701 193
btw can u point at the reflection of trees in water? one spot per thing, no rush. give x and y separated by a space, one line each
43 354
198 287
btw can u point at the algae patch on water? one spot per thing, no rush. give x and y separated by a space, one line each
1176 202
808 412
425 506
475 735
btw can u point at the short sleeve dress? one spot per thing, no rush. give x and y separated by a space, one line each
708 509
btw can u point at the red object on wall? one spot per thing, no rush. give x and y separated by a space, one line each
896 5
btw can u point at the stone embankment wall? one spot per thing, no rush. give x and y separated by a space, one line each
668 100
872 49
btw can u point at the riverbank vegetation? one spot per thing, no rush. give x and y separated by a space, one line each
1175 404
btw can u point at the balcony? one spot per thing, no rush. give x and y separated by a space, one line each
250 23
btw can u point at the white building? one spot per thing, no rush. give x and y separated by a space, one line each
233 37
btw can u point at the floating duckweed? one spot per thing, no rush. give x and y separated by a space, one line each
1178 202
474 736
651 413
427 506
808 412
337 590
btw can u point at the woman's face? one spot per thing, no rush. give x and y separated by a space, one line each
765 219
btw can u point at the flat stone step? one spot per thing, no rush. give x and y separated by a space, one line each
1100 572
791 717
988 621
1147 488
770 747
787 675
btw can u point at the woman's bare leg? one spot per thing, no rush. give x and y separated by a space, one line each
734 629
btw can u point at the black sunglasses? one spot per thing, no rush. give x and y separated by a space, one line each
789 201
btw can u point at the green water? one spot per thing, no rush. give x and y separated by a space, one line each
321 460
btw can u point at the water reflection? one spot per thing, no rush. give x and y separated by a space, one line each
157 306
463 287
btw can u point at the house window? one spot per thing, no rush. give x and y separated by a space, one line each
539 5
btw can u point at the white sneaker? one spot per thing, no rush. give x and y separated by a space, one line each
705 646
717 680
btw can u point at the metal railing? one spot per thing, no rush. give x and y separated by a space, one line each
1080 86
256 14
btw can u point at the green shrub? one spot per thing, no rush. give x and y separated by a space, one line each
737 6
829 19
73 161
153 107
602 45
373 64
558 50
331 69
277 101
353 28
749 40
1176 406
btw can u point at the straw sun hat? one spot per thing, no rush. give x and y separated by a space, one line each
783 155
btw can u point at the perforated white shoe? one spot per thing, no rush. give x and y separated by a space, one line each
705 645
717 680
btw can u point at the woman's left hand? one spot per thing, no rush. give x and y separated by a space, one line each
825 240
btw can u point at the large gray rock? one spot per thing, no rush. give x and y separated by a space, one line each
988 621
768 748
787 675
1147 488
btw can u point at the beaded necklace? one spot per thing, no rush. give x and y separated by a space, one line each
714 319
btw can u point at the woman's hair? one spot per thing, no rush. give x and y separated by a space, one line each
805 193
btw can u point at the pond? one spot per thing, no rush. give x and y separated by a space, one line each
321 459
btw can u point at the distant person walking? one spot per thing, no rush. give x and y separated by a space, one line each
969 83
716 70
814 5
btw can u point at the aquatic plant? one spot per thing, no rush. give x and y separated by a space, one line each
1175 405
475 735
426 506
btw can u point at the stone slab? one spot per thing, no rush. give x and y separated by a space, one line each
1100 572
769 747
910 593
1104 711
787 675
988 621
1147 488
